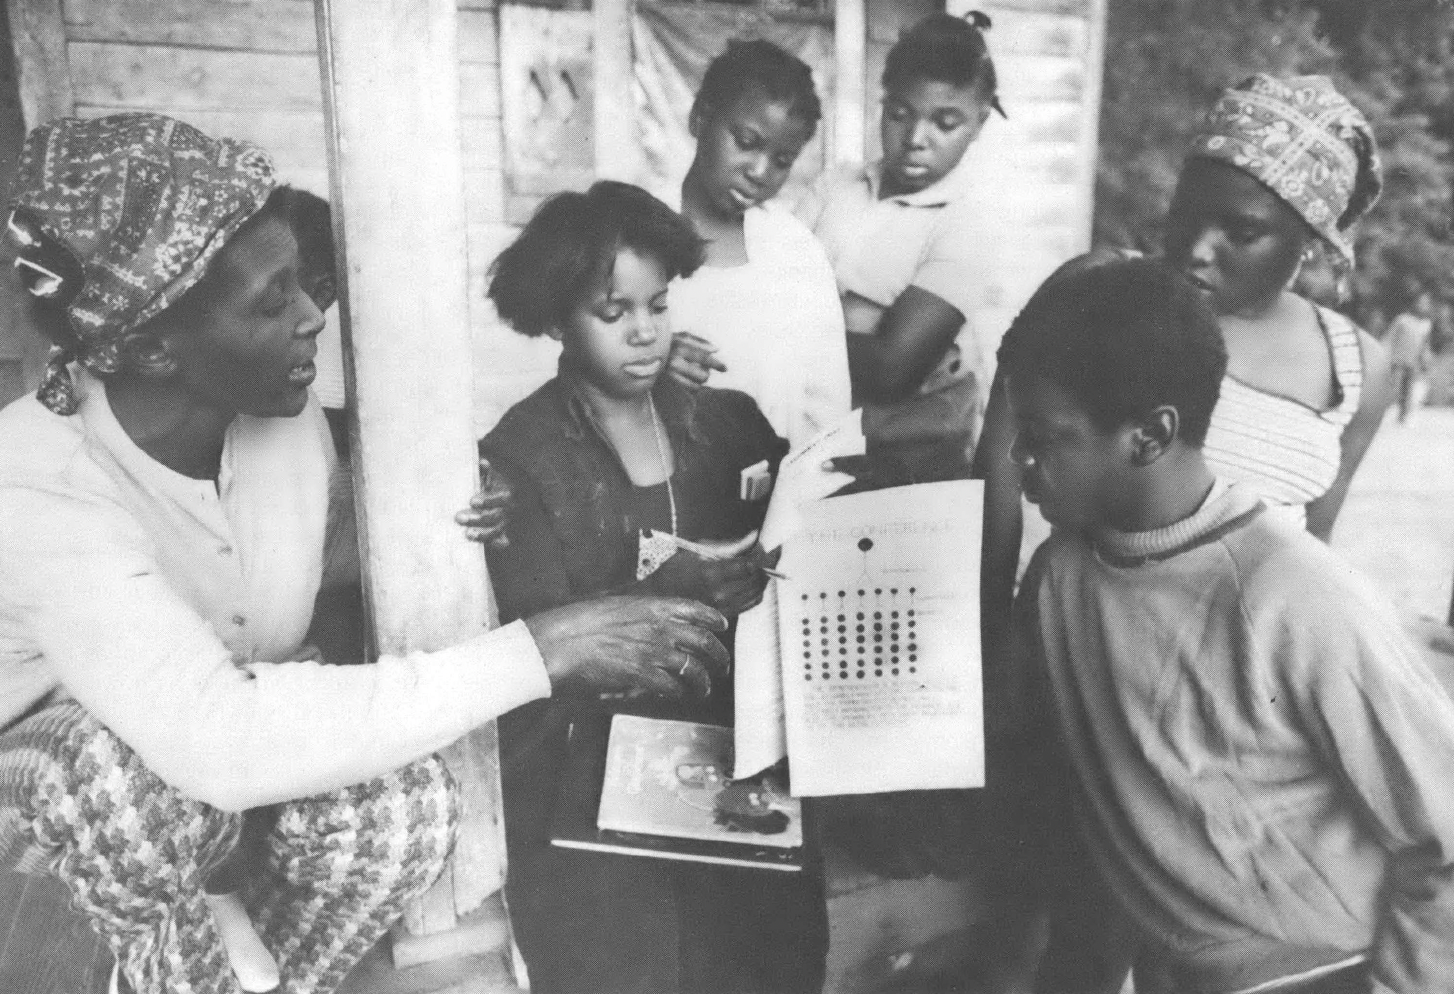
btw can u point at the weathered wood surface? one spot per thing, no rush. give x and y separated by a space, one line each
614 114
1076 8
850 93
547 96
243 25
248 68
151 76
392 105
38 37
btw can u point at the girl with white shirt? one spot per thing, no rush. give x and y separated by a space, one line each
761 315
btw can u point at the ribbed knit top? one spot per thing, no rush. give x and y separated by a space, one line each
1285 450
1211 520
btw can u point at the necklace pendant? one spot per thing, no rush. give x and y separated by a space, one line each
652 549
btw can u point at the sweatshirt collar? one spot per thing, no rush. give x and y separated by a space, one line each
1227 508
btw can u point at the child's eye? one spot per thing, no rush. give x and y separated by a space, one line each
783 161
747 141
611 313
948 121
897 113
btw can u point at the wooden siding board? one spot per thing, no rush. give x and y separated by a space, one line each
295 138
260 25
284 26
42 68
126 76
1039 78
1075 8
1061 35
479 39
149 76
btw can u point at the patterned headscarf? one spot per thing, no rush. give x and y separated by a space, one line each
1305 142
138 204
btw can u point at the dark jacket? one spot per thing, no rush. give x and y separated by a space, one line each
572 534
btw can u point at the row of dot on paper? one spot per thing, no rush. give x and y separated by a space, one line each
900 636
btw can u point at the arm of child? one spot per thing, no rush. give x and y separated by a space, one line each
1387 725
531 572
1378 393
914 333
1003 522
925 319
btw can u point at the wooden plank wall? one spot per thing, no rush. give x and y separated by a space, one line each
1036 178
249 69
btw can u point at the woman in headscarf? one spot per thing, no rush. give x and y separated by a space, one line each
762 310
1281 170
167 530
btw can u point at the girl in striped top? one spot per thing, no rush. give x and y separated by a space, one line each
1291 452
1282 166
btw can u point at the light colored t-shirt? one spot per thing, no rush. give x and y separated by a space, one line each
170 607
879 248
777 325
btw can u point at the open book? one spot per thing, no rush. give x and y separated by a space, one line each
661 788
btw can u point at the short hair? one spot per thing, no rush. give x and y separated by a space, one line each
312 222
1123 338
946 49
758 62
569 246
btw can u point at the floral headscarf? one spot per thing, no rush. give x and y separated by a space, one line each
1305 142
135 206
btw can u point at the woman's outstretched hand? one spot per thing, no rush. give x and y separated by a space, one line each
693 359
732 585
485 519
659 645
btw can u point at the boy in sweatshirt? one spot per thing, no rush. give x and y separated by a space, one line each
1259 764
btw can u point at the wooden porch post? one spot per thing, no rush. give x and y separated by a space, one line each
391 104
42 68
850 40
615 112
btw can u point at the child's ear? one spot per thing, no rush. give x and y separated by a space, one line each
1155 434
982 118
695 120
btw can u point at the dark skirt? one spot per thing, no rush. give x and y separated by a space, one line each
601 923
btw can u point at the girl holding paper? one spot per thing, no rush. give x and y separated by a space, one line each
614 466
